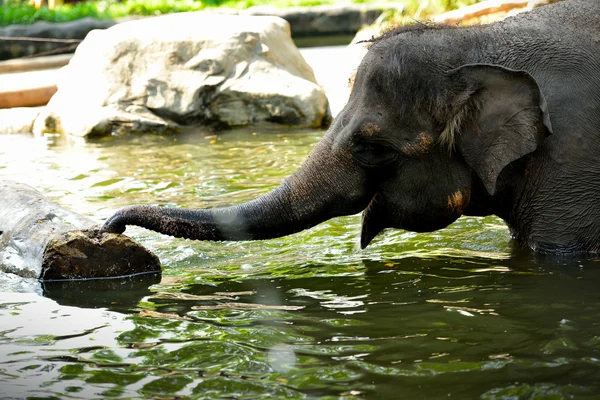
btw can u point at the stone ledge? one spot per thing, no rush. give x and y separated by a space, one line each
324 20
77 29
317 21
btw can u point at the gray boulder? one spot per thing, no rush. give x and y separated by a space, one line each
167 73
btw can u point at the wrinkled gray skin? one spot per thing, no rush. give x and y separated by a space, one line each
501 119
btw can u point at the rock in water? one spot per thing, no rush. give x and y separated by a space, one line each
18 120
166 73
39 239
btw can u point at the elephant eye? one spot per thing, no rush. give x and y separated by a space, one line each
374 155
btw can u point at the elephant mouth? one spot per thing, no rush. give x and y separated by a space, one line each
373 220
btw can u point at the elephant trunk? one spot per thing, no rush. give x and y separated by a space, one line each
327 185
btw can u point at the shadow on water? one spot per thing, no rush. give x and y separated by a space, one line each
119 294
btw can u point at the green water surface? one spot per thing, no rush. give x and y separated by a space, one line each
457 313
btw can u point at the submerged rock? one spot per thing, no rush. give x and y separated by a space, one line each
39 239
18 120
166 73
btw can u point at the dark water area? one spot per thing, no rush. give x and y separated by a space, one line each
320 41
457 313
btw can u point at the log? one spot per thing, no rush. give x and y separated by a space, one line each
30 97
35 63
41 240
488 7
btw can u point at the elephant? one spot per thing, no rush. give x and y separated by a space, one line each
443 121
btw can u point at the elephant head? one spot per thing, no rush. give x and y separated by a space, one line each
415 137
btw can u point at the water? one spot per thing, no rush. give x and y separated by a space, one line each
457 313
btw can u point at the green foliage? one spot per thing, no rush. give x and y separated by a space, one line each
20 12
418 9
429 7
152 7
280 3
16 13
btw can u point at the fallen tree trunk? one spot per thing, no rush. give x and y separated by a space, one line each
39 239
35 63
488 7
28 97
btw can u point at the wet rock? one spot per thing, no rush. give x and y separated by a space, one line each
39 239
18 120
163 74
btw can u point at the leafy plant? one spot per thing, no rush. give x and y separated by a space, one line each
20 12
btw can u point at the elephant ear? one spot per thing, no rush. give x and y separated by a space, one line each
500 115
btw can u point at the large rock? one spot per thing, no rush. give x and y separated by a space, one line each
163 74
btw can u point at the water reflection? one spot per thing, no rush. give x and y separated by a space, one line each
115 294
457 312
407 330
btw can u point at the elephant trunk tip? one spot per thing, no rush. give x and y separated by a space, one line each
179 223
116 223
112 226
